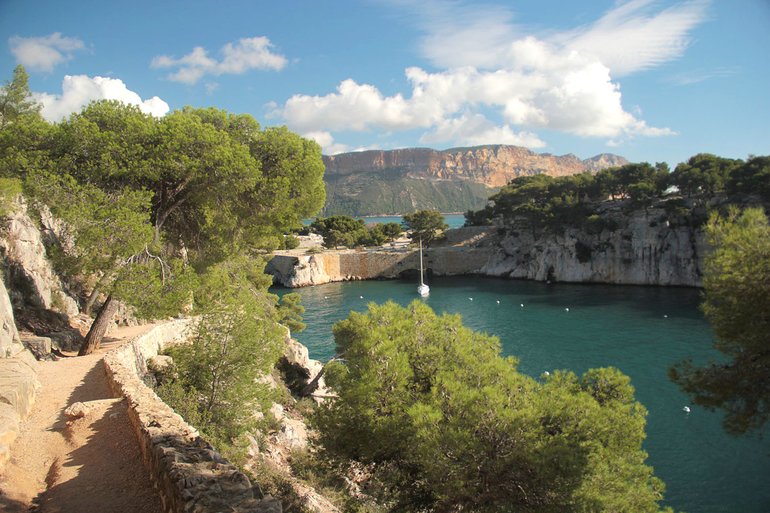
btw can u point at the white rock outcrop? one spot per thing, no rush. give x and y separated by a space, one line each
646 250
28 269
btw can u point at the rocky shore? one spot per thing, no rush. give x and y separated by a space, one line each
643 247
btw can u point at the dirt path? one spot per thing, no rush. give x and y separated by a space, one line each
91 464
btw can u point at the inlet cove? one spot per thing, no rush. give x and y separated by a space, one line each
640 330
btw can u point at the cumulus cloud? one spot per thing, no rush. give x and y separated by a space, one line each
475 129
326 141
44 53
79 90
238 58
500 84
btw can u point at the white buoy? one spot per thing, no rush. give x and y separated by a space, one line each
498 301
360 297
546 374
686 409
326 297
665 316
470 298
566 309
522 305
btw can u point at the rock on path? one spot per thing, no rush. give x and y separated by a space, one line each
84 464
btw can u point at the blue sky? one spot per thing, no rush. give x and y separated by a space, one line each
652 80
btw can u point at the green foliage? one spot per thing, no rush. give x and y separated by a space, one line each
345 231
388 191
444 423
751 178
703 174
290 312
10 188
340 230
290 242
737 304
425 225
15 99
236 341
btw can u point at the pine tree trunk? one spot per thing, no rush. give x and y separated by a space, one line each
99 327
91 300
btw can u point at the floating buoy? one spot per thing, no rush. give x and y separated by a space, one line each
522 305
360 297
566 309
470 298
326 297
498 301
546 374
686 409
665 316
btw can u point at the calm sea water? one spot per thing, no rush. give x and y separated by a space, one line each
640 330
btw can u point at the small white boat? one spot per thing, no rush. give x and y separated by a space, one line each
422 289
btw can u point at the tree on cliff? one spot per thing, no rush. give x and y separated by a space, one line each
442 422
737 304
107 236
217 185
703 173
425 225
15 98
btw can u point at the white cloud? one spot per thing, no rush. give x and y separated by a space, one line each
500 84
246 54
44 53
475 129
326 141
630 38
79 90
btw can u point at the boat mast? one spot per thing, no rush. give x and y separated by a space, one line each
421 282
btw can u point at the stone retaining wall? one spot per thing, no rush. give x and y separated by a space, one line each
190 475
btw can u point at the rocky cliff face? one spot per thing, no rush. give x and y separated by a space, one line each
644 247
455 180
493 166
31 277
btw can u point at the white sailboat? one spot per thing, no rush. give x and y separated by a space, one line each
422 289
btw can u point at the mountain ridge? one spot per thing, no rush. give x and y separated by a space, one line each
456 179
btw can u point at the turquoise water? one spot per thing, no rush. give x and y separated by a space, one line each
641 330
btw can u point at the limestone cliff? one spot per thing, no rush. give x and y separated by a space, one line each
493 166
31 277
454 180
644 247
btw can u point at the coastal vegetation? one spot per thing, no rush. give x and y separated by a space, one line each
425 225
578 200
439 421
149 205
737 304
342 230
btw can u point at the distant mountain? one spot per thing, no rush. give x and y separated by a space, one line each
455 180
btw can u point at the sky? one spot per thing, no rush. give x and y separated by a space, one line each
651 80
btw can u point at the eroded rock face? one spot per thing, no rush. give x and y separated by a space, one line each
493 165
31 277
10 344
646 249
302 374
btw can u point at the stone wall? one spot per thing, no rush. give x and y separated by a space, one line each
190 475
296 270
